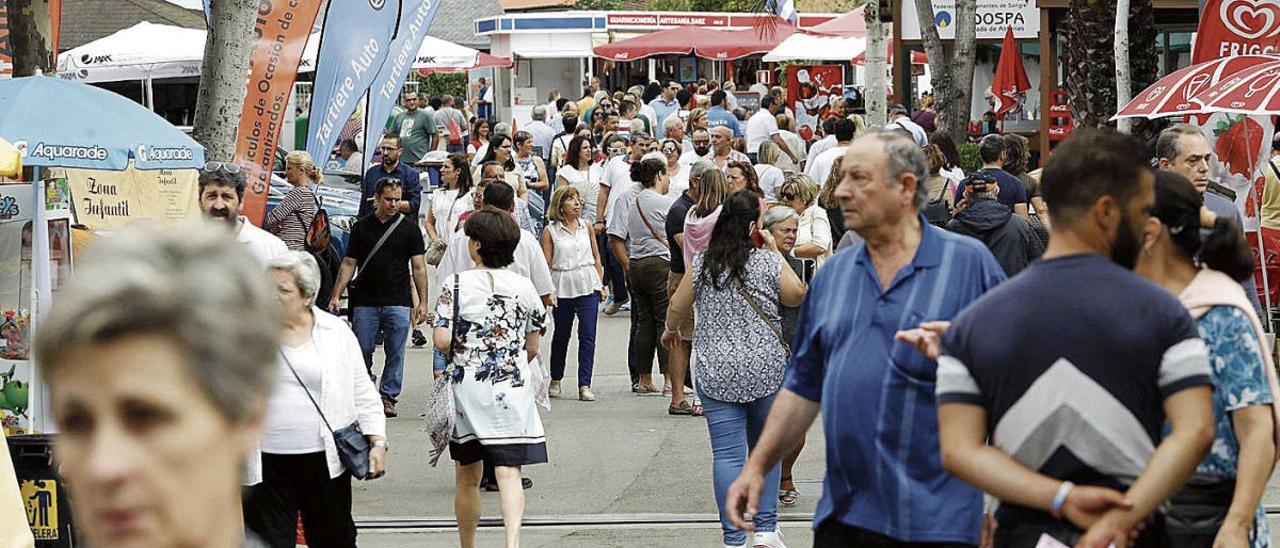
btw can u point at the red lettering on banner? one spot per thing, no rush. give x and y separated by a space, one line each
6 53
281 29
1237 27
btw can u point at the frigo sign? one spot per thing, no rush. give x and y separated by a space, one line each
991 21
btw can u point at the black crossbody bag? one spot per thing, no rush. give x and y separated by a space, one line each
353 447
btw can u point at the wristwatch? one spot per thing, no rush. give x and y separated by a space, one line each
382 444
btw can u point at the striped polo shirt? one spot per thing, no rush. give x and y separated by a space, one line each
884 470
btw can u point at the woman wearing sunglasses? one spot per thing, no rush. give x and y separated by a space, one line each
671 150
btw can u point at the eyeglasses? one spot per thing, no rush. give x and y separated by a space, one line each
668 150
787 196
227 167
508 145
388 149
701 141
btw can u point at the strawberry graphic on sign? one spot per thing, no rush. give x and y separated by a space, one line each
1238 141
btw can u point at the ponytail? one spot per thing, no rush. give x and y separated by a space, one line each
1225 250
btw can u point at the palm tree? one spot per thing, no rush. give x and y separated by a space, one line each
1089 33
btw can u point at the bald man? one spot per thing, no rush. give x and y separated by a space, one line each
722 152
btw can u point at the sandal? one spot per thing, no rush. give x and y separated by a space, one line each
698 410
788 497
685 408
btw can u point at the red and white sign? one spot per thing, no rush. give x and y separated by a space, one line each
1237 27
651 20
810 90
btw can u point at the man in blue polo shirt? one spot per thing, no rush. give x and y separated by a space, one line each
391 148
885 485
717 116
665 105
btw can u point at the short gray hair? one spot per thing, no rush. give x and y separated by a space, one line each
700 168
903 155
502 128
194 285
539 113
779 214
302 266
672 123
1169 143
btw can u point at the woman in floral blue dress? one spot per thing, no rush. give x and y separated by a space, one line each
1220 505
497 333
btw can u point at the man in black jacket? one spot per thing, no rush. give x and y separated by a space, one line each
1008 236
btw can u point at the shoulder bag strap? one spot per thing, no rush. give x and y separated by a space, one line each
377 246
1272 163
453 327
648 225
304 389
777 332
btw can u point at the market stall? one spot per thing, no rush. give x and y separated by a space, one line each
58 124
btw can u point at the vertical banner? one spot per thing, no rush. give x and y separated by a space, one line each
6 50
353 47
385 93
1237 27
810 90
281 29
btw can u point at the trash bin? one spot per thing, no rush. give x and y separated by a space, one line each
43 492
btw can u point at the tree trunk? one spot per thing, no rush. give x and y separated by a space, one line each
1091 52
30 37
224 77
877 93
951 66
1123 84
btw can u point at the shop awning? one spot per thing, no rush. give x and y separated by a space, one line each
812 47
853 23
484 60
917 57
718 45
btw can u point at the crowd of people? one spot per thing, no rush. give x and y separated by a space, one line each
1081 342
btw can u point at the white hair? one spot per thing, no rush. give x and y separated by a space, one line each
655 155
672 123
302 266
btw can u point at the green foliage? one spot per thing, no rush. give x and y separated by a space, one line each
436 85
745 6
598 5
970 161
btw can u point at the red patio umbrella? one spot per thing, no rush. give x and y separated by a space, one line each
917 57
1172 95
1255 91
720 45
1011 78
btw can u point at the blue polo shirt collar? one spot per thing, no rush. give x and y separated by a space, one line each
928 253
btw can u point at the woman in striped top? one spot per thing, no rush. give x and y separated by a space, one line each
293 216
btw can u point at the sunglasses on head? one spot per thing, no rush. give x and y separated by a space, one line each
227 167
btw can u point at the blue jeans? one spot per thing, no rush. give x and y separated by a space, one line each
735 428
585 308
439 361
394 323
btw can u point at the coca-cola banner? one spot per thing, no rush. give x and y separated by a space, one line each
1237 27
810 89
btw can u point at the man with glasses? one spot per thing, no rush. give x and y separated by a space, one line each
221 187
416 128
701 142
382 248
665 105
391 167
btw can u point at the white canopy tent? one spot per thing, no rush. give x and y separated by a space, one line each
147 51
814 47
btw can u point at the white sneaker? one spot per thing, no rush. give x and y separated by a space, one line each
770 539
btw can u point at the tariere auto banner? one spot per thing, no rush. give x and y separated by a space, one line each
281 28
354 43
385 91
1237 27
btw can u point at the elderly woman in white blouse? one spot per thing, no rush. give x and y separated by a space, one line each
320 369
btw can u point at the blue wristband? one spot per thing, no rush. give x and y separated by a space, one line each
1055 507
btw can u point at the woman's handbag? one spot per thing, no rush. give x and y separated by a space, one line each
441 408
353 447
435 251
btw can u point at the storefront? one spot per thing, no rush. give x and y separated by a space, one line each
554 52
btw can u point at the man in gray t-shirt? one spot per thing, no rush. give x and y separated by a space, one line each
637 239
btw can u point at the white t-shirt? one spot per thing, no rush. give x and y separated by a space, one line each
263 245
292 425
820 169
529 261
916 131
447 207
689 158
679 180
770 179
819 147
760 127
617 176
797 146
